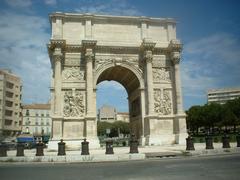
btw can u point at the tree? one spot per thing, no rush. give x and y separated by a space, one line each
115 128
211 115
194 118
102 126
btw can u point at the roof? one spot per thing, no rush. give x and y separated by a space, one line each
37 106
224 90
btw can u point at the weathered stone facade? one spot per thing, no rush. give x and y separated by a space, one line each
141 53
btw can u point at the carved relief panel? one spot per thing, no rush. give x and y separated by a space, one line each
72 73
162 102
73 104
161 74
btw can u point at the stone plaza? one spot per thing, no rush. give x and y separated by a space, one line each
141 53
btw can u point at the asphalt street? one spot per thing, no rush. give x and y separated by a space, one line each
225 167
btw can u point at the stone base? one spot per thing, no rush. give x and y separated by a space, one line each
74 144
181 138
142 141
156 140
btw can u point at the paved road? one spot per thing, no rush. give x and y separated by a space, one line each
209 168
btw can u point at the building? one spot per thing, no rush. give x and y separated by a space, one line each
107 113
110 114
221 96
141 53
123 116
10 103
36 119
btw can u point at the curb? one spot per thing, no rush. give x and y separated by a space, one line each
75 158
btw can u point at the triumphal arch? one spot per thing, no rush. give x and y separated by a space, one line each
141 53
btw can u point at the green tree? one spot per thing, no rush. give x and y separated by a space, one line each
115 128
211 114
194 118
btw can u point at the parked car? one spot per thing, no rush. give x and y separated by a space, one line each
28 140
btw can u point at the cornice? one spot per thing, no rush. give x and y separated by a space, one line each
111 17
111 49
175 45
89 43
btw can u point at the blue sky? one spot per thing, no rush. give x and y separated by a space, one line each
209 30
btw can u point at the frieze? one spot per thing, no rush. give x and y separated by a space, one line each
161 74
72 62
73 73
100 60
162 102
73 104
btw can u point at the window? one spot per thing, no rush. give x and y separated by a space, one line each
9 94
8 103
8 122
8 113
27 112
9 85
42 115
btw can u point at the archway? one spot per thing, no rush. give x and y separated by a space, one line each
129 80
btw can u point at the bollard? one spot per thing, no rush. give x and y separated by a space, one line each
225 141
20 149
109 147
238 140
133 144
190 144
61 148
3 150
209 142
85 149
39 149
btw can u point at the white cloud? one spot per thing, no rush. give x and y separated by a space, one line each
23 41
51 2
112 7
210 62
19 3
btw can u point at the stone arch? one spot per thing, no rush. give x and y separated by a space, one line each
131 78
126 65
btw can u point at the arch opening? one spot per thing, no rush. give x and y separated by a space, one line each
130 82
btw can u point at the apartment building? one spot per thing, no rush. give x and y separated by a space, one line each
110 114
10 104
221 96
36 119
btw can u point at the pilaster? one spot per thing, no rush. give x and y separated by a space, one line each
89 56
176 47
148 47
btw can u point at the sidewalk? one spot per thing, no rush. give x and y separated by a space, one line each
120 154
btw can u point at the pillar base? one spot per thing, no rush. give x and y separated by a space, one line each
164 139
74 144
142 141
181 138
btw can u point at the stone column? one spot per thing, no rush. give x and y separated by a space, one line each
89 81
148 59
176 60
57 57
